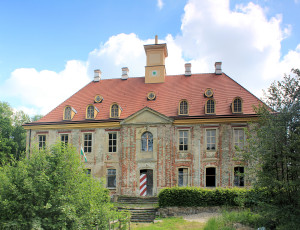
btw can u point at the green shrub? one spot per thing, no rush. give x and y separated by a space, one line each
195 197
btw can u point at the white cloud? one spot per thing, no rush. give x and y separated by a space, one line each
160 4
244 39
46 89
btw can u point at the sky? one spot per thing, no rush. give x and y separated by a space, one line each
49 49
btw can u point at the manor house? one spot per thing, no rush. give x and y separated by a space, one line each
143 134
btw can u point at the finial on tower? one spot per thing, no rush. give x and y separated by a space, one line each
156 40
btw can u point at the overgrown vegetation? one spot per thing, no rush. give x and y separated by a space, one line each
274 153
12 134
51 190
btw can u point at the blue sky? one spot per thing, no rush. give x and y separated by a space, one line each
49 49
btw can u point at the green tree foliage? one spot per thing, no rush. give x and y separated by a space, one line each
274 152
51 190
12 134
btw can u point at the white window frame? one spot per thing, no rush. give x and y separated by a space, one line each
187 137
111 146
43 142
234 138
216 140
85 148
184 174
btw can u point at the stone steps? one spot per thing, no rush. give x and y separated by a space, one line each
137 200
139 214
145 215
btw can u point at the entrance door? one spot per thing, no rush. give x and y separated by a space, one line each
146 182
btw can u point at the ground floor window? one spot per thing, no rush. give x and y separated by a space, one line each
111 178
42 141
210 177
64 138
239 176
182 177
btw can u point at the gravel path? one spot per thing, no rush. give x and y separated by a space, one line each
201 217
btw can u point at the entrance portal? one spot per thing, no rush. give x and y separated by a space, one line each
146 182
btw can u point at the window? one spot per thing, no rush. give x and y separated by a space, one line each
239 176
111 178
239 138
210 106
68 113
112 142
208 93
210 177
147 142
114 111
183 108
183 140
237 105
42 141
90 112
88 172
87 143
64 138
182 177
211 139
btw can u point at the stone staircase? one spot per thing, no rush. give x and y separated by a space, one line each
141 208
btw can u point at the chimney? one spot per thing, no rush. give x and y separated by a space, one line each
156 39
97 75
218 68
188 69
125 72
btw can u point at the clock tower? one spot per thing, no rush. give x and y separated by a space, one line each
155 70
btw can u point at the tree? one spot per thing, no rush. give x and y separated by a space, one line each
12 134
274 152
51 190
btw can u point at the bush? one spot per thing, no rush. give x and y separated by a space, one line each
197 197
52 190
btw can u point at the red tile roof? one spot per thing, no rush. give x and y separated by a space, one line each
131 95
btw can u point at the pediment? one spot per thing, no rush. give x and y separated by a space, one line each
147 116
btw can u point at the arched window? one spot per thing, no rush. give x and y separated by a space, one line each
237 105
147 142
210 107
183 107
114 111
68 113
90 112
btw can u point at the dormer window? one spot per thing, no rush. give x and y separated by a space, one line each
210 107
183 108
208 93
114 111
69 113
237 105
91 112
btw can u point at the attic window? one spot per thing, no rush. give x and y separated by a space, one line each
114 111
208 93
98 98
91 112
67 114
183 107
237 105
151 96
210 107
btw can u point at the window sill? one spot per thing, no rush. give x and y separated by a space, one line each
114 188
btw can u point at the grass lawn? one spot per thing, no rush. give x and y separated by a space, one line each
169 223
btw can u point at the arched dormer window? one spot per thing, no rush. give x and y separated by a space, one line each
90 112
114 111
183 107
237 105
210 107
147 142
68 113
